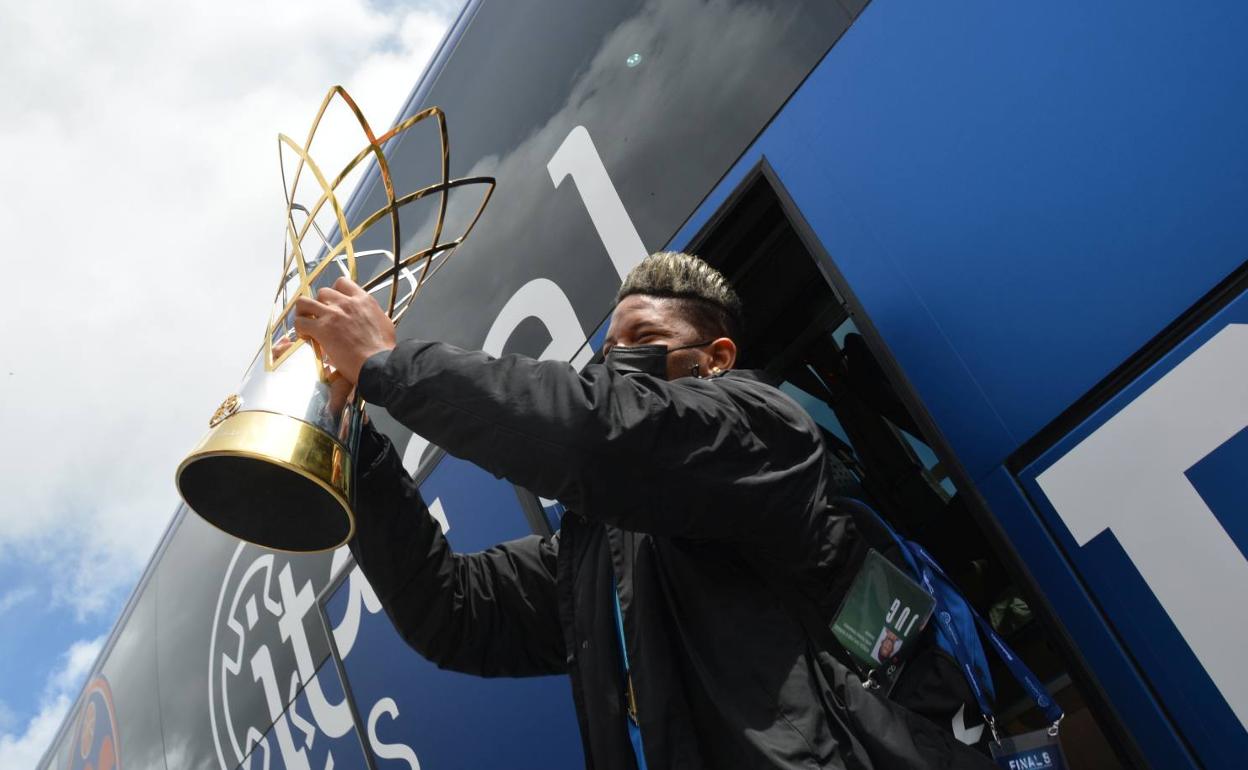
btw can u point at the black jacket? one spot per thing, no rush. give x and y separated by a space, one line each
705 499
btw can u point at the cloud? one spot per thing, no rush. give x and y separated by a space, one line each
13 597
25 749
143 218
78 659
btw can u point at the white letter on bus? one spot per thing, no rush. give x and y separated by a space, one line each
578 158
541 298
389 750
1128 476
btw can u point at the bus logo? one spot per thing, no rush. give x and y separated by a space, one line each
260 658
96 744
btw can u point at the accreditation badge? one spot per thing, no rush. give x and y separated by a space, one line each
1037 750
882 615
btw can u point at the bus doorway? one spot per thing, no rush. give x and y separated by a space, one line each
804 333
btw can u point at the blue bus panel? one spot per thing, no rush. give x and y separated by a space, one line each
407 706
1147 499
1020 198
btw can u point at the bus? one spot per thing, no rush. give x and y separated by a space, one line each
996 249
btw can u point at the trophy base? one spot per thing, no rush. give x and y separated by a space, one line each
272 480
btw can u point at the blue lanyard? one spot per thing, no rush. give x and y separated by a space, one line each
1030 682
960 651
634 730
924 569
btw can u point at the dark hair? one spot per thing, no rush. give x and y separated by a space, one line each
706 299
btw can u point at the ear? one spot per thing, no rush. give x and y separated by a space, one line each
723 352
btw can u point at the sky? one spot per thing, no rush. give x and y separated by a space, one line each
142 218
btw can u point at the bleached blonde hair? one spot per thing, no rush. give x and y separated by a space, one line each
707 299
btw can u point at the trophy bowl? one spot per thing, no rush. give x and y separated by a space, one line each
277 465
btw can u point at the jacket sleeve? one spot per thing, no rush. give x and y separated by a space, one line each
693 458
493 613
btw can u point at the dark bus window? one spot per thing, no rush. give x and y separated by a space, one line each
117 717
822 414
119 695
525 75
239 626
897 469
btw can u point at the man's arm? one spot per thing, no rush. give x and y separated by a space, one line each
697 458
688 458
493 613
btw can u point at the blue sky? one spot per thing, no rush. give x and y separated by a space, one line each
35 634
143 247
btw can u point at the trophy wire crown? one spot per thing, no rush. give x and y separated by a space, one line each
276 467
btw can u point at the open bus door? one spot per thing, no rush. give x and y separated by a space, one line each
802 329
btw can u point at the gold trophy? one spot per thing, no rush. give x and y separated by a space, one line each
276 467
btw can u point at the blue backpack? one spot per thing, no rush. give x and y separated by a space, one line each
957 631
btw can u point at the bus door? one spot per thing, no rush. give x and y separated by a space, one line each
803 332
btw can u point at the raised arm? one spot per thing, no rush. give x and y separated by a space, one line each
492 613
699 458
724 457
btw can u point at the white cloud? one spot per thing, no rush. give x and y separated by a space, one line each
13 597
142 215
78 660
26 748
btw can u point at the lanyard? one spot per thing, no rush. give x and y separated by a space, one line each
634 730
924 567
1030 682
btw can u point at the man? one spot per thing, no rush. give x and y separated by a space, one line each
697 498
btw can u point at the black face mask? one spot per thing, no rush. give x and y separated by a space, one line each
646 359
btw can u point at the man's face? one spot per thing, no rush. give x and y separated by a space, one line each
886 648
642 320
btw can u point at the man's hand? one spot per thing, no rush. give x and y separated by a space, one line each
340 389
348 325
